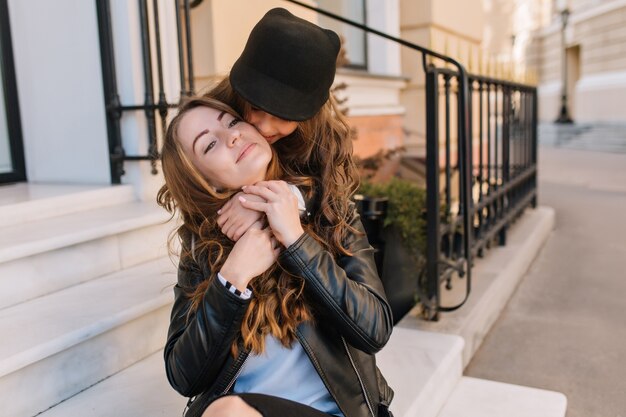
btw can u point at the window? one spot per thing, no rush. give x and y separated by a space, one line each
354 38
11 149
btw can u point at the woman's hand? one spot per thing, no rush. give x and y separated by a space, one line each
253 254
233 219
280 207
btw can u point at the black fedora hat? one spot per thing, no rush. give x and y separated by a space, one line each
287 66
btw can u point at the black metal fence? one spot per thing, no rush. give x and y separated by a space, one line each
481 174
155 106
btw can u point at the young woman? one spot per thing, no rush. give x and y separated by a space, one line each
281 85
284 321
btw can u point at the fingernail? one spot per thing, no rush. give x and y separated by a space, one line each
244 187
219 211
243 200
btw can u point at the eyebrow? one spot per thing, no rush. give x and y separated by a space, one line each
193 145
204 132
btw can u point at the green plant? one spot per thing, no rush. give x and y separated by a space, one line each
405 212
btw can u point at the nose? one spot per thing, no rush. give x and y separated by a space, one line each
233 135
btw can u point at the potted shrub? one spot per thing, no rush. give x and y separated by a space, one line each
393 216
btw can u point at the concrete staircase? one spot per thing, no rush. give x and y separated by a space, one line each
85 322
86 289
605 137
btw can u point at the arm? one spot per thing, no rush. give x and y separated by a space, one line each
198 344
233 219
348 287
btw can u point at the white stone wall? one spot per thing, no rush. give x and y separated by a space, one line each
59 83
60 88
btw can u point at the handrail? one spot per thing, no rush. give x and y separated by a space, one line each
382 34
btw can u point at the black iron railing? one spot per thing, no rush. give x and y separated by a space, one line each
501 153
155 111
486 131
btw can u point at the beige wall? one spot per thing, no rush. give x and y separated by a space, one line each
445 27
596 42
220 31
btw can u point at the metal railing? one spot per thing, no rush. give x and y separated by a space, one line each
495 122
154 110
501 153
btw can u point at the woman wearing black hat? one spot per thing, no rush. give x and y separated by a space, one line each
254 332
281 84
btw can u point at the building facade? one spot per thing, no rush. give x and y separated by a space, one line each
593 44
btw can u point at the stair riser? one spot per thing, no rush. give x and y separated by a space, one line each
46 208
51 271
433 397
422 368
41 385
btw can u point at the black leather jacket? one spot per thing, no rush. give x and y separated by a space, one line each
353 322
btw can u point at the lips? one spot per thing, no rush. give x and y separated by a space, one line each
246 149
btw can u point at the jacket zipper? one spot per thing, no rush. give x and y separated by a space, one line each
318 368
358 375
236 367
234 378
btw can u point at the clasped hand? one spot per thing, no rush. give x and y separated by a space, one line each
280 207
256 249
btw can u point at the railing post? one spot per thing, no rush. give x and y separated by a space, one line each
146 50
432 196
506 155
465 137
111 96
534 145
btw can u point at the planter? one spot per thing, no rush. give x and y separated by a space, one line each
396 267
400 274
373 211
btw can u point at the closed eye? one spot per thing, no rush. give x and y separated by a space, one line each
209 146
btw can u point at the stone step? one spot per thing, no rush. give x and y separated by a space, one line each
481 398
139 390
607 137
422 368
57 345
46 255
494 280
25 202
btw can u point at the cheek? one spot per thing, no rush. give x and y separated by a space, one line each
287 128
253 117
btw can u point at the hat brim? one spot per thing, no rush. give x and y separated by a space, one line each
274 97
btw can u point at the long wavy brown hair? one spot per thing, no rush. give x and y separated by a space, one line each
320 148
278 304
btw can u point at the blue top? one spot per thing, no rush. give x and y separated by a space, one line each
286 373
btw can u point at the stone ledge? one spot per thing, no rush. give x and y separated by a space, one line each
479 397
494 280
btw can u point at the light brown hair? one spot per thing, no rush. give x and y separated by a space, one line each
278 304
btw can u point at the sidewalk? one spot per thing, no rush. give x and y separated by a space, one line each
565 327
